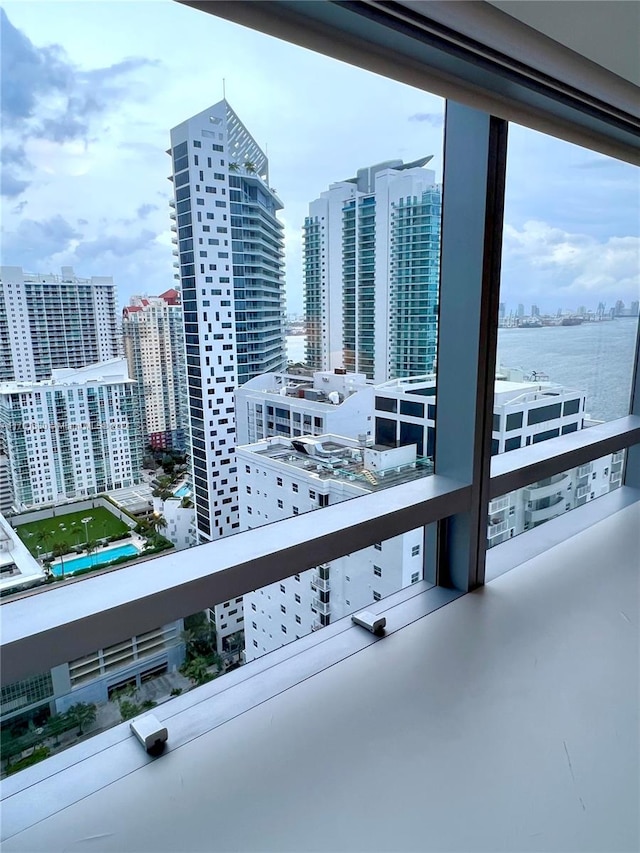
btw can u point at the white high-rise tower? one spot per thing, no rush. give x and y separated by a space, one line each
230 252
51 321
371 272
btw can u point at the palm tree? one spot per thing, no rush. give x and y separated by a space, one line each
249 166
197 670
158 522
91 547
56 726
59 549
81 714
42 538
233 167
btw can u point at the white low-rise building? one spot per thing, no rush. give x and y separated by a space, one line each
528 409
72 436
290 405
180 521
281 477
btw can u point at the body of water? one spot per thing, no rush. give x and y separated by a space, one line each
93 560
295 347
596 358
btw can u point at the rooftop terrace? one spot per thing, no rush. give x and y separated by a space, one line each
335 458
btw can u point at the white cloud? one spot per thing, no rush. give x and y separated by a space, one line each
543 261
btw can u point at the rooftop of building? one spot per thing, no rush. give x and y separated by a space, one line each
356 462
323 386
139 303
115 370
365 177
67 276
333 387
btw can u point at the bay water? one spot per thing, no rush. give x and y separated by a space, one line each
594 357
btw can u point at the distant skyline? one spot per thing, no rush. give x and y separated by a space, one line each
90 91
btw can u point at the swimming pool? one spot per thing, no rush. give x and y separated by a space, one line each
99 558
184 491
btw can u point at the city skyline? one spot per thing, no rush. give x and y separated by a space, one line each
85 185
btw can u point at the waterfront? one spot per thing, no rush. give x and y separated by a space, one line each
595 357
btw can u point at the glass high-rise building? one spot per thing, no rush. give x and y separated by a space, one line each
230 252
371 272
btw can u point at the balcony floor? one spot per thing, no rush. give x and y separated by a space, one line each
505 721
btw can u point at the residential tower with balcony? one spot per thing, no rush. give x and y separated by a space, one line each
153 335
371 272
50 321
72 436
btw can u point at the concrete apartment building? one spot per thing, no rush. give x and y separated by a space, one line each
50 321
74 435
283 477
153 336
180 521
371 270
527 410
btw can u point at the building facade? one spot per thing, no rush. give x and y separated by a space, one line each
293 405
371 272
230 256
528 409
49 322
153 335
74 435
95 678
179 517
283 477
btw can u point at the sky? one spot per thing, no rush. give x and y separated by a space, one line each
91 89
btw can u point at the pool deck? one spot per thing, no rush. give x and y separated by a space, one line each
184 490
133 539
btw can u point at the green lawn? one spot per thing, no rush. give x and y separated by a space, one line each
102 524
